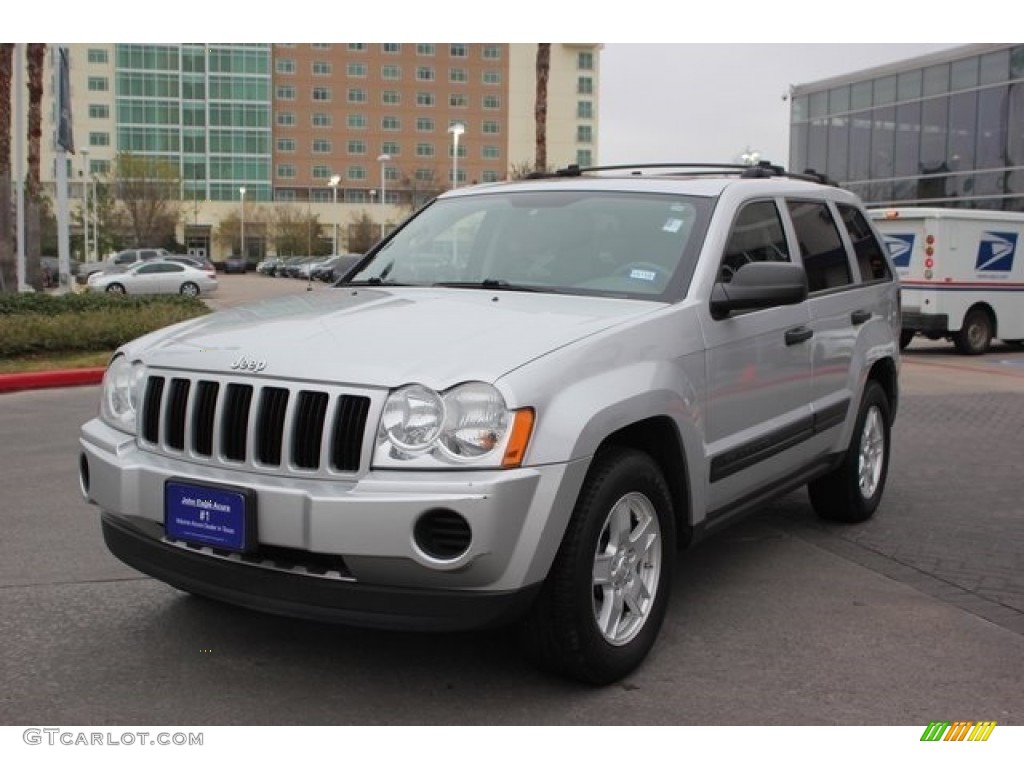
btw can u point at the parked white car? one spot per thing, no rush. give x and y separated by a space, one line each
156 276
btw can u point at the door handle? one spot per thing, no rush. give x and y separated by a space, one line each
859 316
798 335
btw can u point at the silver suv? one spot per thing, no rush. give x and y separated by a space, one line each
516 408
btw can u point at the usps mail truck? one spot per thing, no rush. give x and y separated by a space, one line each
961 273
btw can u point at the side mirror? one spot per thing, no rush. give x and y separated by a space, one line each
759 285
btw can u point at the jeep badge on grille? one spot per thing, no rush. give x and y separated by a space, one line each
245 364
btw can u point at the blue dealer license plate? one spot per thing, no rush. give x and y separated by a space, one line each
216 516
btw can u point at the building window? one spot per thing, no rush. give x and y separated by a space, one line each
489 176
423 149
321 172
285 92
321 195
285 171
356 147
285 118
356 96
425 49
99 84
391 174
424 124
584 110
492 52
462 150
390 148
492 101
284 195
389 123
321 120
585 85
491 127
99 166
285 66
356 69
320 46
458 101
391 97
99 110
490 152
99 139
584 134
357 46
322 146
584 157
425 73
457 75
98 56
491 77
460 174
424 174
391 47
585 60
391 72
458 50
286 145
322 68
356 121
424 99
322 93
356 173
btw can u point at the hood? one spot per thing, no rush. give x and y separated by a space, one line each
374 337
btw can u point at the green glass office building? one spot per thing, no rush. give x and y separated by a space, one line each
945 129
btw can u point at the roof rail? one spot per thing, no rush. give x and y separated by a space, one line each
763 170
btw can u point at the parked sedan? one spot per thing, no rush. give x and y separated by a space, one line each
155 277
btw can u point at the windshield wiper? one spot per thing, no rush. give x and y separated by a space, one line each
500 285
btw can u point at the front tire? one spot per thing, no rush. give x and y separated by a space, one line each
604 600
116 288
851 492
976 334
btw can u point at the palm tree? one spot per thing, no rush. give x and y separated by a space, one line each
540 112
36 55
8 278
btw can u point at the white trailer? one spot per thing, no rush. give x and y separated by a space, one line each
961 273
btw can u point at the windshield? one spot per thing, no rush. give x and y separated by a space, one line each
627 244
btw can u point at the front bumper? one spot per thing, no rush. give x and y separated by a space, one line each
138 544
363 527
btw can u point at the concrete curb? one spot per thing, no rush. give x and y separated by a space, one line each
13 382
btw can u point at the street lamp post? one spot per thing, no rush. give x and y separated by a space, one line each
456 130
85 205
241 192
333 184
383 160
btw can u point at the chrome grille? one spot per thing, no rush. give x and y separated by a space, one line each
277 427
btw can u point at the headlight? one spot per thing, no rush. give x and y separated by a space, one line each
122 384
468 424
412 419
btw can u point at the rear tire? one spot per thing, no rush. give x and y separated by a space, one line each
189 289
976 334
605 597
851 492
116 288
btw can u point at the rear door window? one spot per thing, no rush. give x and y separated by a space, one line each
821 248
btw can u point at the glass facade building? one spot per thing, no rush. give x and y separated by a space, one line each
204 108
941 130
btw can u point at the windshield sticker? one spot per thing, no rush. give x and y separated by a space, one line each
673 225
643 274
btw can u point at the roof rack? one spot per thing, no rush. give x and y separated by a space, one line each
763 170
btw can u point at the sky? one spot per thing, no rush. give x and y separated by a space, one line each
693 102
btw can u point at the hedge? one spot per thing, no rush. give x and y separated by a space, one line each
86 322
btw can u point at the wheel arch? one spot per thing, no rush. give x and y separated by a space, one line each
659 438
884 371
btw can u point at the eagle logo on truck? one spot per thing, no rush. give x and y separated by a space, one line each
900 248
996 251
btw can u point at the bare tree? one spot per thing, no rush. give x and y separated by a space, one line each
297 231
422 188
148 190
540 112
362 233
8 272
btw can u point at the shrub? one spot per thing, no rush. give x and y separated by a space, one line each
31 323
